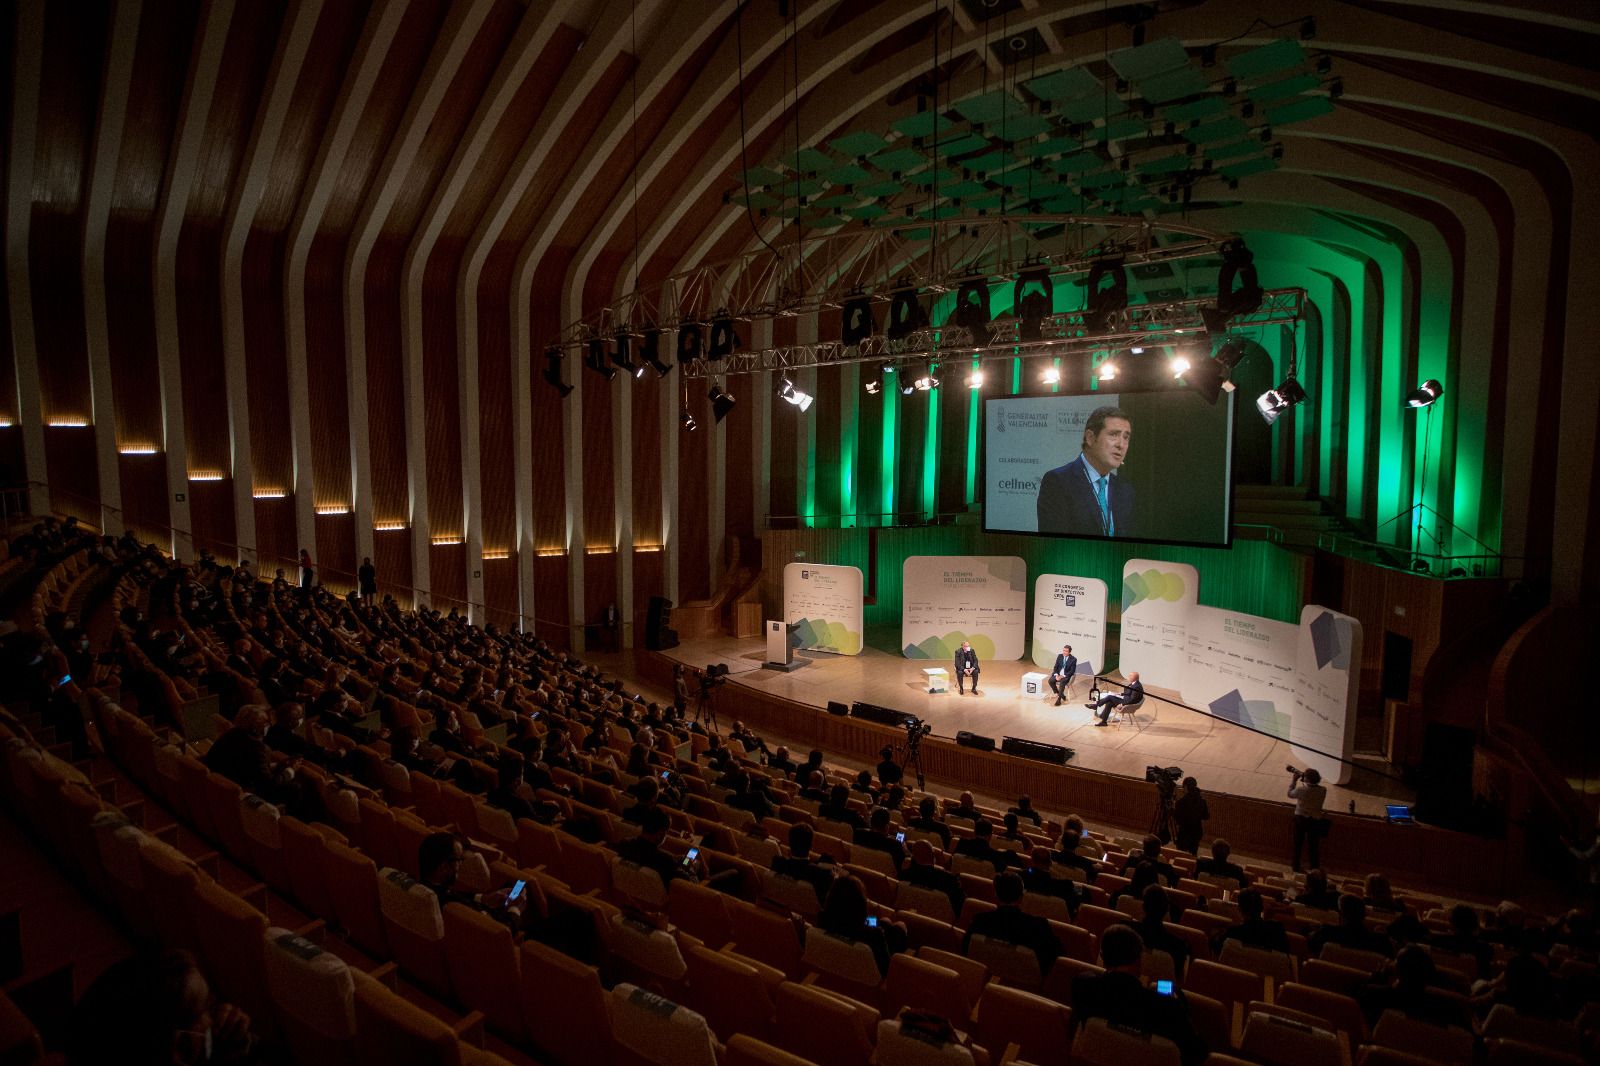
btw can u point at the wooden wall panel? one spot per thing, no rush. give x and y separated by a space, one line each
385 389
496 433
500 604
954 402
869 452
391 556
160 65
205 409
326 381
785 490
441 392
135 371
694 565
63 358
70 469
828 498
550 599
144 497
647 444
275 534
267 380
911 437
649 579
447 577
335 550
548 411
211 518
599 499
240 84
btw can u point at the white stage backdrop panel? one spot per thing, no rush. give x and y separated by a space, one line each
1242 669
1156 600
1026 437
825 602
1329 668
1069 610
950 598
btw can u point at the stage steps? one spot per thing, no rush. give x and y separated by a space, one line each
1299 518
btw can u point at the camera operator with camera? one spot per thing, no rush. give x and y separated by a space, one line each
1310 824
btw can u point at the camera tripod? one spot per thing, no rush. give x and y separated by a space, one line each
705 708
1164 823
913 761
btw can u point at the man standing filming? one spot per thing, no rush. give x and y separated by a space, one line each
1062 673
966 666
1085 497
1305 788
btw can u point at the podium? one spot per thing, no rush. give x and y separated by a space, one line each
780 650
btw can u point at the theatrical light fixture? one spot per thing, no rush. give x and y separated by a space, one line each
1051 375
1108 370
926 381
721 402
905 314
1033 296
596 359
687 421
723 339
690 341
1101 301
1425 394
619 355
1274 402
855 320
1209 377
1136 350
552 371
873 382
975 380
650 352
789 394
908 384
972 306
1179 365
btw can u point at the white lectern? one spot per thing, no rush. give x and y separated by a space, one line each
780 650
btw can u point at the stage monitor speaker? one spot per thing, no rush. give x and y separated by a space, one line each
1444 780
973 740
837 709
1033 749
657 635
871 712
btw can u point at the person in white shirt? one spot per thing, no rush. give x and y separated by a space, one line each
1305 788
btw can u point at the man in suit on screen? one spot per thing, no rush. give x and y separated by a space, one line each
1086 497
966 667
1062 673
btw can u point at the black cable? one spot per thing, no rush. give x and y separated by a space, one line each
744 159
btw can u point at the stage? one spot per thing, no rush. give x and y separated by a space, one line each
1225 758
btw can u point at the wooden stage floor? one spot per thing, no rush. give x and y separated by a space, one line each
1222 756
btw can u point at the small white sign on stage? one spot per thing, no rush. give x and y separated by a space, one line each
938 679
1069 610
950 598
822 603
1034 686
1156 600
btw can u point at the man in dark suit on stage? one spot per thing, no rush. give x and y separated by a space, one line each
966 666
1062 672
1132 693
1085 497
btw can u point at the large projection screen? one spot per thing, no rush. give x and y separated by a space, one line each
1168 463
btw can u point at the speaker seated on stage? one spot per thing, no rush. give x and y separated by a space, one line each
877 837
925 873
980 846
1061 674
928 821
837 809
1067 855
816 870
1009 922
1150 854
966 666
1131 696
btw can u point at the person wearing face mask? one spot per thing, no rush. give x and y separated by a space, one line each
156 1009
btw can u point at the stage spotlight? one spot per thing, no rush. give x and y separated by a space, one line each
1108 369
1033 296
596 359
721 402
1209 377
1425 394
908 384
905 314
687 421
873 382
691 342
650 352
972 308
790 394
926 381
1050 375
1179 365
975 380
619 355
1101 301
723 339
552 371
1274 402
855 320
1136 350
1421 566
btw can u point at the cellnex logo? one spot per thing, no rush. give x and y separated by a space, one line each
1019 483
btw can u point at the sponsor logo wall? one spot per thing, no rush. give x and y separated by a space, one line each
824 603
951 598
1157 599
1069 610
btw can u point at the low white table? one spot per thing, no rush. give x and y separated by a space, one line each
1035 686
938 679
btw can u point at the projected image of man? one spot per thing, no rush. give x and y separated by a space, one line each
1087 497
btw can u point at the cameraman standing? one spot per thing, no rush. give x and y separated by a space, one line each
1310 825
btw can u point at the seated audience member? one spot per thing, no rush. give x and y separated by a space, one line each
863 785
1153 931
1380 896
751 742
965 809
284 735
1409 985
1009 922
812 765
1071 841
1524 985
816 870
845 913
1464 939
240 754
892 799
925 873
1040 879
507 793
1219 865
877 837
647 793
405 748
928 821
645 850
439 859
815 789
889 772
1012 830
1024 809
1316 893
1144 875
1255 931
1352 930
748 796
837 809
1151 853
980 846
155 1009
1121 998
780 761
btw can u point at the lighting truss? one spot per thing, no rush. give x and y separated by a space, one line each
1148 325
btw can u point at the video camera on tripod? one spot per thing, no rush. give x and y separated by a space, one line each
713 676
1164 824
916 729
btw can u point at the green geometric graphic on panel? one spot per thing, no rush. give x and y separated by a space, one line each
945 647
1153 584
819 634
